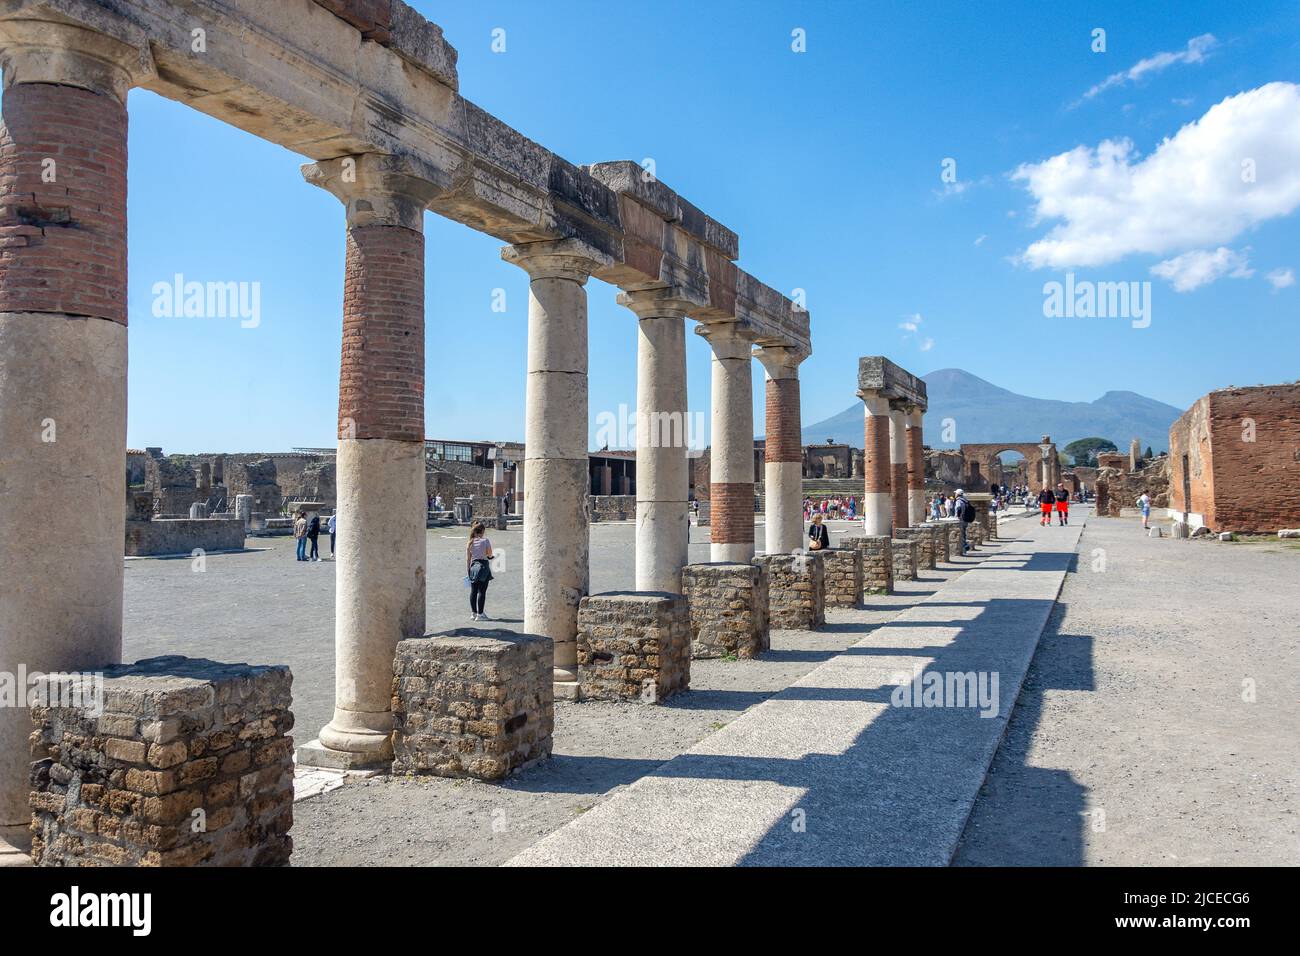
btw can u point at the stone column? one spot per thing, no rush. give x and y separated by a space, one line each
782 452
556 532
915 469
731 459
63 306
898 465
662 469
519 487
379 592
877 502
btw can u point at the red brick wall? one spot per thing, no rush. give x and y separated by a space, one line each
898 492
63 243
782 442
381 381
731 516
915 460
1189 438
1256 484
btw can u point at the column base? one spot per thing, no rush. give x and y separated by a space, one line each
16 845
566 690
316 754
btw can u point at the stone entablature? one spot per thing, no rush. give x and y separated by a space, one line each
188 764
796 592
633 646
728 609
472 703
878 375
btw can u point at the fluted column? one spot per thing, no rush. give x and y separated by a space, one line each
782 451
379 594
877 501
556 521
63 356
731 458
662 468
898 465
915 468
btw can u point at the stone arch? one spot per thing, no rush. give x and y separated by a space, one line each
981 460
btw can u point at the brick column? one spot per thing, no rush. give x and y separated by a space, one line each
915 468
898 465
63 348
782 451
877 503
731 460
556 532
379 594
662 468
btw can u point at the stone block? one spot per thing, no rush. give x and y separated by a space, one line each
924 537
843 576
171 761
942 545
953 530
728 609
877 562
906 559
633 646
796 590
472 702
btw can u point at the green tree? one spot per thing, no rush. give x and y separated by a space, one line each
1084 451
1148 454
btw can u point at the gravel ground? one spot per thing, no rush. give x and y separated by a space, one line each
599 747
1131 743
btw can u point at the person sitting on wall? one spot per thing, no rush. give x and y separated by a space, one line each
819 539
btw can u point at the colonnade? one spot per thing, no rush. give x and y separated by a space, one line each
893 453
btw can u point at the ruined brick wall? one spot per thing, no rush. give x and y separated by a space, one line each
728 609
633 646
188 764
183 535
1117 489
1254 459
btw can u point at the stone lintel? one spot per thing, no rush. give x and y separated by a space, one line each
877 375
628 178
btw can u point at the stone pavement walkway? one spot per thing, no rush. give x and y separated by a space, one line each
828 772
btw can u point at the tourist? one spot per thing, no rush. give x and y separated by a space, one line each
1062 505
964 512
300 533
478 552
332 526
313 533
437 503
1144 502
1046 501
819 539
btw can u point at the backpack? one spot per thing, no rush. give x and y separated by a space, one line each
965 510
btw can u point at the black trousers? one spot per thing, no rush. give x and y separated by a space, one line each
315 555
477 595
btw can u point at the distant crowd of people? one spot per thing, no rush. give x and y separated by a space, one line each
836 507
307 531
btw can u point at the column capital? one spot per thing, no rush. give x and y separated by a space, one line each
875 402
661 303
570 259
727 339
780 361
54 51
378 189
914 416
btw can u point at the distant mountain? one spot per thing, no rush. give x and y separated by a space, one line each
983 412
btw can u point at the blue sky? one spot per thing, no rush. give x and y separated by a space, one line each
827 163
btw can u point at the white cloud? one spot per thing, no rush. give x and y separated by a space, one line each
927 344
980 241
911 322
1195 53
910 325
1281 278
1192 192
1200 267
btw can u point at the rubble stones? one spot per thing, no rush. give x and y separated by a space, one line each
796 591
728 609
186 764
472 703
633 646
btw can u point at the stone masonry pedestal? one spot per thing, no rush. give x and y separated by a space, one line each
633 646
941 544
796 593
728 609
843 576
877 562
187 764
472 703
924 537
906 559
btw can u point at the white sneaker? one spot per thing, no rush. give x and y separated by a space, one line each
473 616
484 617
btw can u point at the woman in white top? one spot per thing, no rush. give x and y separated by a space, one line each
478 552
